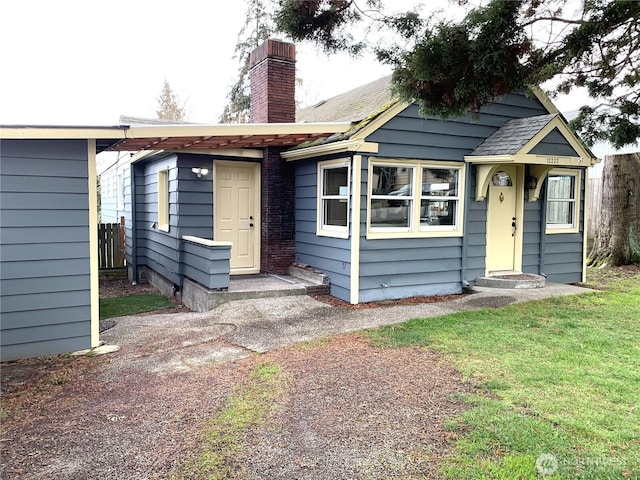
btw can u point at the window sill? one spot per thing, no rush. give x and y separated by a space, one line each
163 228
344 234
433 234
557 230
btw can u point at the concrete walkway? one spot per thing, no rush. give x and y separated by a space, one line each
168 343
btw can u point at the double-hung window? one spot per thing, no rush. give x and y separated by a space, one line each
440 199
333 195
391 197
415 198
563 201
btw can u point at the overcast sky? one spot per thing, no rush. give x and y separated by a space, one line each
71 62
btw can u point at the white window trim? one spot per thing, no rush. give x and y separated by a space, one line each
335 231
577 201
163 200
415 229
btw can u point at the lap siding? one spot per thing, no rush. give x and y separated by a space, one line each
44 254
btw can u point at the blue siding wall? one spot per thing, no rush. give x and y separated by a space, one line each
475 230
209 266
430 266
554 144
563 252
195 197
190 211
531 229
408 135
330 255
157 249
45 291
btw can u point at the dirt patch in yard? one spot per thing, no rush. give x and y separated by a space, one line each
122 287
351 410
356 411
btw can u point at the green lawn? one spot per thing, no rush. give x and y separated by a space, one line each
558 377
132 304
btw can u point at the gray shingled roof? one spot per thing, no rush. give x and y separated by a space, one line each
352 106
513 135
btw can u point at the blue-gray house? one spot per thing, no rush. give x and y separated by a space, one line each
385 202
390 205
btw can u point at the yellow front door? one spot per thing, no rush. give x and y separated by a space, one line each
237 213
503 236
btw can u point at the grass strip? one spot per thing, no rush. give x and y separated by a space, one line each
222 436
561 380
132 304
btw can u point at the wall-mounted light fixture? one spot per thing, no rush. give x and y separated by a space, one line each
532 182
200 171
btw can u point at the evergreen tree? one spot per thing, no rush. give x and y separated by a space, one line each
169 107
499 47
258 26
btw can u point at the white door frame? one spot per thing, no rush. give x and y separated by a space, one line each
255 172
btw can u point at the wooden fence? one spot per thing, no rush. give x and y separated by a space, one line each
593 202
111 244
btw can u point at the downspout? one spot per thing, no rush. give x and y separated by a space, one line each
465 241
543 232
134 235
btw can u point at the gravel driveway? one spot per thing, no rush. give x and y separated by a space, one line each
351 410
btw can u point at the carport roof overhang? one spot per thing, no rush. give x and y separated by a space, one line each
182 137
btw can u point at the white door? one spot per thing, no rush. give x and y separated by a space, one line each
237 213
502 221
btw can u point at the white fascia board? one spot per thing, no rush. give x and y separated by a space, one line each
355 145
152 131
54 132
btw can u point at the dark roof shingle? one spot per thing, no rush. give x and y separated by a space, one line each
512 136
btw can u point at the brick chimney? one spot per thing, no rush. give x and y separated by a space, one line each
272 72
272 75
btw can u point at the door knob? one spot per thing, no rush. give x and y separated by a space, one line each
251 224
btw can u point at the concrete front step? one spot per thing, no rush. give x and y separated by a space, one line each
243 287
512 281
308 274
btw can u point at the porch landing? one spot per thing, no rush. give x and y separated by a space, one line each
242 287
512 280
